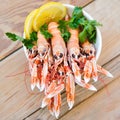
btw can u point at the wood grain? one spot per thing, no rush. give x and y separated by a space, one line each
14 98
100 106
12 17
81 94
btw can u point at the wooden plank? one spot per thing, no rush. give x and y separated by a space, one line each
15 101
12 17
81 94
80 2
100 106
75 2
108 14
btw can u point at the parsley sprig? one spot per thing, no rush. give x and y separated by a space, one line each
88 27
77 18
29 43
44 31
63 29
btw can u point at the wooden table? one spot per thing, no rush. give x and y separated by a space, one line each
17 102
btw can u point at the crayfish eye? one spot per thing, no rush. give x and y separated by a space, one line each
34 53
44 50
43 54
79 56
90 51
87 54
30 50
62 73
73 55
61 55
55 57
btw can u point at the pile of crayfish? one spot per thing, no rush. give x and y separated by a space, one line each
55 65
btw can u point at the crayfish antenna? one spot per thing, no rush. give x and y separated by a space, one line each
76 71
44 73
45 102
105 72
57 90
70 104
87 71
32 86
38 85
86 85
50 106
57 105
94 70
70 87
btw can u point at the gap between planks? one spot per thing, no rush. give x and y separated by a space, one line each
11 53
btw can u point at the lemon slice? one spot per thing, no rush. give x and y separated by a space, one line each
52 11
28 26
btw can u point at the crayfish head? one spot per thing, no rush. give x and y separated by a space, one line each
88 49
33 52
58 57
75 54
42 51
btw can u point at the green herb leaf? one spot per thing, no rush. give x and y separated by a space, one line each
88 27
14 37
66 36
92 38
62 25
95 23
29 43
74 23
76 16
82 21
33 36
83 36
44 31
63 29
77 12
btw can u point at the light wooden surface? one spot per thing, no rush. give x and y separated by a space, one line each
16 103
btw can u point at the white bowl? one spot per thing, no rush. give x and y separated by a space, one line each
98 44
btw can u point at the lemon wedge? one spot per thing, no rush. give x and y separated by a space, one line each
28 26
52 11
